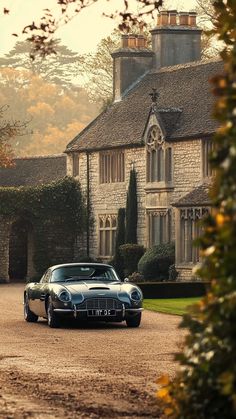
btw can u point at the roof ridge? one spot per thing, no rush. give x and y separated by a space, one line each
177 67
49 156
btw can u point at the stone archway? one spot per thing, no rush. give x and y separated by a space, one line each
20 265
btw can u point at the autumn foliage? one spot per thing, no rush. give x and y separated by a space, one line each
8 130
206 384
54 114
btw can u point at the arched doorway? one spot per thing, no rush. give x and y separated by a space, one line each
20 249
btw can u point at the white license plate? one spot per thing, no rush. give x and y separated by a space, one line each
101 313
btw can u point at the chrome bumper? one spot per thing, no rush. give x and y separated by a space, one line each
75 310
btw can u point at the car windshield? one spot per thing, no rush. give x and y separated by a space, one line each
83 272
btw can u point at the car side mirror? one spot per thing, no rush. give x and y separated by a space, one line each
126 279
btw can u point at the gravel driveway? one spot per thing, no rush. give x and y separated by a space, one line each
104 371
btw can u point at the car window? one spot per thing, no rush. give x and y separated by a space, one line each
46 276
83 272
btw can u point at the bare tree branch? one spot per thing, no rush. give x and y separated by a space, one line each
8 131
41 34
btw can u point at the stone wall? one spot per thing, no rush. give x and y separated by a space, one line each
187 167
107 198
186 172
186 272
18 253
5 225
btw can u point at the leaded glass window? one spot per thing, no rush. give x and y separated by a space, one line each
159 226
190 230
159 157
107 233
112 167
207 148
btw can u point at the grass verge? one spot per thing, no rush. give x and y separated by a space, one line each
171 305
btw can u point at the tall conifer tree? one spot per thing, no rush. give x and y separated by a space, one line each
120 239
131 210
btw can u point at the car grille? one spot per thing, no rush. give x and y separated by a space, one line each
100 303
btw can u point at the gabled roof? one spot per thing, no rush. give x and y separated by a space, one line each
33 171
167 120
199 196
184 87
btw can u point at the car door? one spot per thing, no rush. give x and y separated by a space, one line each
39 294
33 294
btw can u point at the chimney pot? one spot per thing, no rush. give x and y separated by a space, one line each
141 41
192 19
131 41
184 18
163 18
124 41
172 17
134 41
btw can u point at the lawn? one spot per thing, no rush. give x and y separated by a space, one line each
170 305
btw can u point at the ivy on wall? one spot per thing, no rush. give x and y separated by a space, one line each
57 214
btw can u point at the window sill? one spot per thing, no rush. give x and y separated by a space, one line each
105 258
186 265
111 183
159 186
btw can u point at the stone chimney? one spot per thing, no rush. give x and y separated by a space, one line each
176 39
130 62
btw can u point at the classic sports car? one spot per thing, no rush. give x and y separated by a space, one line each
85 291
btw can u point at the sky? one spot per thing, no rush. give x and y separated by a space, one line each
82 34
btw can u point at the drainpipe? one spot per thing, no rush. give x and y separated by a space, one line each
88 204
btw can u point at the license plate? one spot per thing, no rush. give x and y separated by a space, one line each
101 313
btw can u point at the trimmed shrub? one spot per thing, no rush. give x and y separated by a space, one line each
154 264
136 277
131 253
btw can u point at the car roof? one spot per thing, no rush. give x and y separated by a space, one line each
63 265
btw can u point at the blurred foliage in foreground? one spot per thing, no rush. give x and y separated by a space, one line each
205 387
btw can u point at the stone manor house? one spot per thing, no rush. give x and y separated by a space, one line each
160 123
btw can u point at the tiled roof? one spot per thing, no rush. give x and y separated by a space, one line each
32 171
199 196
185 87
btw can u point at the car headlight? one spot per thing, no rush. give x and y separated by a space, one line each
64 296
136 295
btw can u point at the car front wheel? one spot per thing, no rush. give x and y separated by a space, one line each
29 316
134 321
51 315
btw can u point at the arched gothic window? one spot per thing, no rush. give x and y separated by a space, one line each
159 157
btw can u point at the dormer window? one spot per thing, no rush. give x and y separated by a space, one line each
159 157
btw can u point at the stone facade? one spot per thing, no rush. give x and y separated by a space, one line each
107 198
